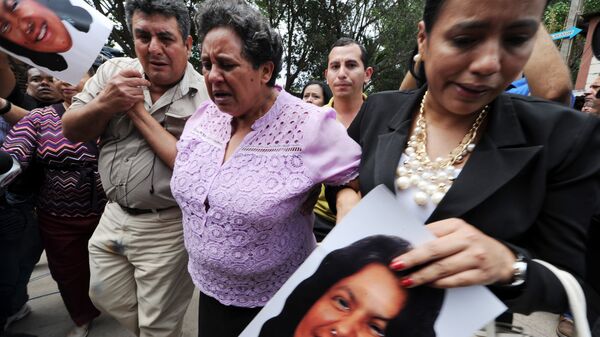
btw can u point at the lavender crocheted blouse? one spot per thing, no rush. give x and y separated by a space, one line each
243 228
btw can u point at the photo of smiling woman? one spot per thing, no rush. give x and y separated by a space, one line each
35 29
355 293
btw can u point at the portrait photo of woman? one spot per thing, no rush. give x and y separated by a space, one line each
354 293
37 29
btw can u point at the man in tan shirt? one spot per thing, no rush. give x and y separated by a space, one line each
138 108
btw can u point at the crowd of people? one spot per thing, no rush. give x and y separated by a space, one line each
150 178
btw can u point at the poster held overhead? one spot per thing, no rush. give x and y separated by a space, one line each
60 37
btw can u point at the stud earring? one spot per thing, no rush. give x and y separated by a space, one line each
417 57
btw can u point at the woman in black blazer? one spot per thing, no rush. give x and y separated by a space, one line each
516 178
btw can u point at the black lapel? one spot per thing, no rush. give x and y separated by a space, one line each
389 149
390 145
500 155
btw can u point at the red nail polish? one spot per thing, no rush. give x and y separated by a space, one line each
407 282
397 265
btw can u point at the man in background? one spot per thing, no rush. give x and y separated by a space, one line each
347 74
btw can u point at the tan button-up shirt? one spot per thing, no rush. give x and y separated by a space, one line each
132 175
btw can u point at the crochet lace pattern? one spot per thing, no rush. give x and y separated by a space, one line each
243 228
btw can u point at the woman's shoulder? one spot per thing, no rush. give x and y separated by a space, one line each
537 107
296 111
564 133
390 98
540 114
391 102
386 108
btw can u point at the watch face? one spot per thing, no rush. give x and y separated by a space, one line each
519 271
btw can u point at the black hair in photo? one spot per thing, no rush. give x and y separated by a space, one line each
76 16
417 317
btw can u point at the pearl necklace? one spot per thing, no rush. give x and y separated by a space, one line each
433 179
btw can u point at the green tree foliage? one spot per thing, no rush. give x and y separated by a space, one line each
386 28
309 28
555 20
556 14
591 6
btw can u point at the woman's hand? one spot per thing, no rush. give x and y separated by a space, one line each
160 140
460 256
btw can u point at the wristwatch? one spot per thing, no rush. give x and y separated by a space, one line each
519 271
6 108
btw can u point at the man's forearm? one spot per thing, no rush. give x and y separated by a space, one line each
86 122
547 74
14 114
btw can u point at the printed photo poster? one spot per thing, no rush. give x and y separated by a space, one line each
60 37
345 286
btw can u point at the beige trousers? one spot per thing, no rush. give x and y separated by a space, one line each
138 266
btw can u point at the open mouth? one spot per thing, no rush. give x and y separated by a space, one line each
221 95
40 34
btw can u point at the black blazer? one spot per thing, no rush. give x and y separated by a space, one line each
532 182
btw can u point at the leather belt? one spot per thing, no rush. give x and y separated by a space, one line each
139 211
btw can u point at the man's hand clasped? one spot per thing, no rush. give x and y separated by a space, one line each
124 90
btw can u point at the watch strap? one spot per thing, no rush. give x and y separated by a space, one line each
6 108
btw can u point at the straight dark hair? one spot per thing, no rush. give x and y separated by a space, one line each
346 41
417 317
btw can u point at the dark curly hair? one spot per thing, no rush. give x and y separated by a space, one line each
260 42
416 319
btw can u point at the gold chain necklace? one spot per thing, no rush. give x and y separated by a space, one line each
433 179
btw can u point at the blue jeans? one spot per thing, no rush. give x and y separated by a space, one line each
12 227
30 247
